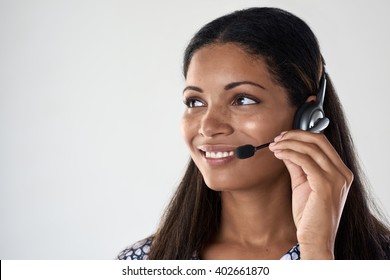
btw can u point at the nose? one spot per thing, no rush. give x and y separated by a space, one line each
215 121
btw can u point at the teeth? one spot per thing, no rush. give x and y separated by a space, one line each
219 154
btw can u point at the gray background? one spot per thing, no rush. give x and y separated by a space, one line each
90 106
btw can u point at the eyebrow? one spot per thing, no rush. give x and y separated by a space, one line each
227 87
193 88
236 84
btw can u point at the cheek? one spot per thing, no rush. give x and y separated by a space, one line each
267 125
188 129
251 125
258 127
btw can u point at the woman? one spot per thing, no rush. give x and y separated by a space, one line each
248 76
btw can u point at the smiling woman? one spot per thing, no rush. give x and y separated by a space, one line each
238 103
247 75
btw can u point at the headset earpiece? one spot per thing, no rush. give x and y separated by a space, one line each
310 116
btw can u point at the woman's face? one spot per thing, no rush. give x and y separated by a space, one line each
232 100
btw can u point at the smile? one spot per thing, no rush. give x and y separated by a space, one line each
218 154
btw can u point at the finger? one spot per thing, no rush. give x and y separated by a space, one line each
303 161
309 137
305 148
315 174
298 176
315 140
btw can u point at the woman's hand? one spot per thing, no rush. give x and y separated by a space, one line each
320 182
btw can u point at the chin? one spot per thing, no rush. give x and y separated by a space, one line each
215 188
222 185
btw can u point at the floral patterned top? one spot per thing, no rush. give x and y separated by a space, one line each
141 249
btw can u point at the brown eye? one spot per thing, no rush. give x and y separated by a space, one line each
193 103
245 100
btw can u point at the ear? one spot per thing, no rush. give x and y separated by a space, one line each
311 98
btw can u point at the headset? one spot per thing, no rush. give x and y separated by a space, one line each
310 116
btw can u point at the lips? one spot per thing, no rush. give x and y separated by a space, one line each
217 152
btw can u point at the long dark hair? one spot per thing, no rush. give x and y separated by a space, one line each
293 56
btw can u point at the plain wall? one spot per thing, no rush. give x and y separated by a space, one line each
90 107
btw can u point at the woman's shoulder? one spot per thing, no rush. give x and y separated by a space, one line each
138 251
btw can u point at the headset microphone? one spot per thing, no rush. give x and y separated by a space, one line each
247 151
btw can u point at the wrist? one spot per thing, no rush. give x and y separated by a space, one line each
311 252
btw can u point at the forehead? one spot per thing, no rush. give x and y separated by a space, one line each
227 60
